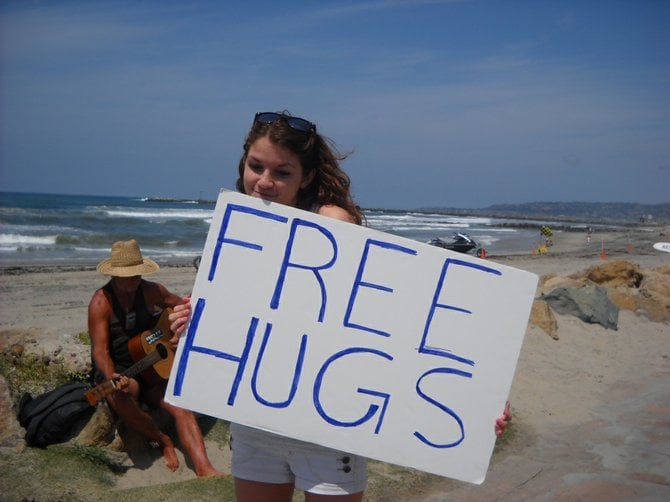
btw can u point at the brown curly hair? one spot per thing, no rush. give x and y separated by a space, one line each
330 184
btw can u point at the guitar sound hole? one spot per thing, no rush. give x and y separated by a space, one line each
162 350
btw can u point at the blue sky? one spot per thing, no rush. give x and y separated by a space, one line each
440 103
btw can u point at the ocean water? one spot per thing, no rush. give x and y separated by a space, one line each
80 229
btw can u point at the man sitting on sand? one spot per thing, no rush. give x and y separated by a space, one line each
118 311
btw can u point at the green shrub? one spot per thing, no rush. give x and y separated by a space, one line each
35 374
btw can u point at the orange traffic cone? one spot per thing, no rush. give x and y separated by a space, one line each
629 248
603 254
483 254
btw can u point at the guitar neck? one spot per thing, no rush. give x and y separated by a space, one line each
105 388
147 361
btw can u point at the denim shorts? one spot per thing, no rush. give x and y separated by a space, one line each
269 458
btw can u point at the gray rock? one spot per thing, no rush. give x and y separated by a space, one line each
11 433
100 429
589 303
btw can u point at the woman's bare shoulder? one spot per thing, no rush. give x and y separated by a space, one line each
337 212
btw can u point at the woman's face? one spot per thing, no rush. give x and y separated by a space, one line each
273 172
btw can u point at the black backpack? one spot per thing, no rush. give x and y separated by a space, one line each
48 417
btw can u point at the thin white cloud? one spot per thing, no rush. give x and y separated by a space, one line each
64 30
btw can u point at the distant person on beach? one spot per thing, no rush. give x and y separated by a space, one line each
285 160
125 307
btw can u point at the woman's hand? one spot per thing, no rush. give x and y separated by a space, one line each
503 420
179 318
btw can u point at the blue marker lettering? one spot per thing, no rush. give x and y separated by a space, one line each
190 347
296 373
448 411
221 239
359 282
286 263
436 351
373 407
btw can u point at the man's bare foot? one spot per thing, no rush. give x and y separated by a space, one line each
208 472
171 460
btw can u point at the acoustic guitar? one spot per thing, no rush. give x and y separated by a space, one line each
153 356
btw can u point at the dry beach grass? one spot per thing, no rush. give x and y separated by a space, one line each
590 408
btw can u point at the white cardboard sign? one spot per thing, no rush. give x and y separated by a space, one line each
351 338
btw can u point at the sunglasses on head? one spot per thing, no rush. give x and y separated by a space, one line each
295 123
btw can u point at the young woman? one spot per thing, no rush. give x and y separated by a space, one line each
286 160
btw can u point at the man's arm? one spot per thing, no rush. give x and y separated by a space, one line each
99 314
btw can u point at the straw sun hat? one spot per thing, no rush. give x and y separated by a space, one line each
126 261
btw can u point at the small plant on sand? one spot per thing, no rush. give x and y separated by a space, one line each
96 456
83 337
215 429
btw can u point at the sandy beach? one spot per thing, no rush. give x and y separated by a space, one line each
590 408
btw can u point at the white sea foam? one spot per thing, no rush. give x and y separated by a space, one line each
82 228
422 222
99 250
164 214
487 240
420 228
159 254
28 229
17 240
